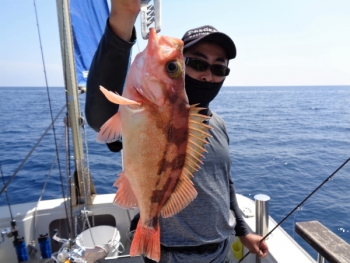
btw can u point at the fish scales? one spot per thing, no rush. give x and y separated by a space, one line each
163 139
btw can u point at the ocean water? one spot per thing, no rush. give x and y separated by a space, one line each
284 142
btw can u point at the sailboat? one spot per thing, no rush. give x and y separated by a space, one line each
86 226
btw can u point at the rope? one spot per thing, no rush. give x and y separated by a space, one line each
86 217
86 166
68 177
300 204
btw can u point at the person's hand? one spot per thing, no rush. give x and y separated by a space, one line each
123 16
126 6
252 242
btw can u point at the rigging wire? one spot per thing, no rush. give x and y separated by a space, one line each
43 190
50 107
300 204
7 197
31 151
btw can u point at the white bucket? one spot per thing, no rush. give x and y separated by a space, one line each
101 235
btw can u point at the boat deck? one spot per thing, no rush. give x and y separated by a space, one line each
50 215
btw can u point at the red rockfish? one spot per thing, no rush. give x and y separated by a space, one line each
163 140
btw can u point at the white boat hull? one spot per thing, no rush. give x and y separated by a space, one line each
50 215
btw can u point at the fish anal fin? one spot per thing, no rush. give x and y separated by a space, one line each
183 194
146 241
125 196
111 130
116 98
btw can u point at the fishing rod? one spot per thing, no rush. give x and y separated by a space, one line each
300 204
7 197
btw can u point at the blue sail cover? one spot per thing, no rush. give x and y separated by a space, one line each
88 18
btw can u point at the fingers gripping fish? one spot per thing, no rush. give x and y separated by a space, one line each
163 140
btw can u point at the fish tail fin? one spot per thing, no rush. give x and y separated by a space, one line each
146 241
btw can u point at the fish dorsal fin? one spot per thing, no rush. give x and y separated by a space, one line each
196 140
125 196
111 130
184 191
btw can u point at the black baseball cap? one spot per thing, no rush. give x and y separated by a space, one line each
209 33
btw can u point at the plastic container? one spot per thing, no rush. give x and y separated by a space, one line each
102 235
237 249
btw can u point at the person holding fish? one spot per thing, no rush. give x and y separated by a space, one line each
188 206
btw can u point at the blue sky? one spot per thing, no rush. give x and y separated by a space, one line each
279 42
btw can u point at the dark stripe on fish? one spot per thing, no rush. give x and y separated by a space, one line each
152 222
177 163
158 195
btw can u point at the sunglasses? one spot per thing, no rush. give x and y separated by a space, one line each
201 65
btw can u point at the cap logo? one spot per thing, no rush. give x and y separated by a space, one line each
209 33
200 32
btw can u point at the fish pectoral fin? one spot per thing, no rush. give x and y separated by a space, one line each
111 130
125 196
183 194
116 98
146 241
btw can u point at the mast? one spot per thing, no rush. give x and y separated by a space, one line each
84 190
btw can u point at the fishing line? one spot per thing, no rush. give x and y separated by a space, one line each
31 151
47 89
300 204
7 198
138 47
50 107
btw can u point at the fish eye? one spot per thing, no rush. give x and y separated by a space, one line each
174 69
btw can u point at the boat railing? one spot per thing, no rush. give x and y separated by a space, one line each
262 216
329 246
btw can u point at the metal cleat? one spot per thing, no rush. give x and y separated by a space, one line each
4 233
8 232
150 14
58 239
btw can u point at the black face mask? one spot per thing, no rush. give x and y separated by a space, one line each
201 92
